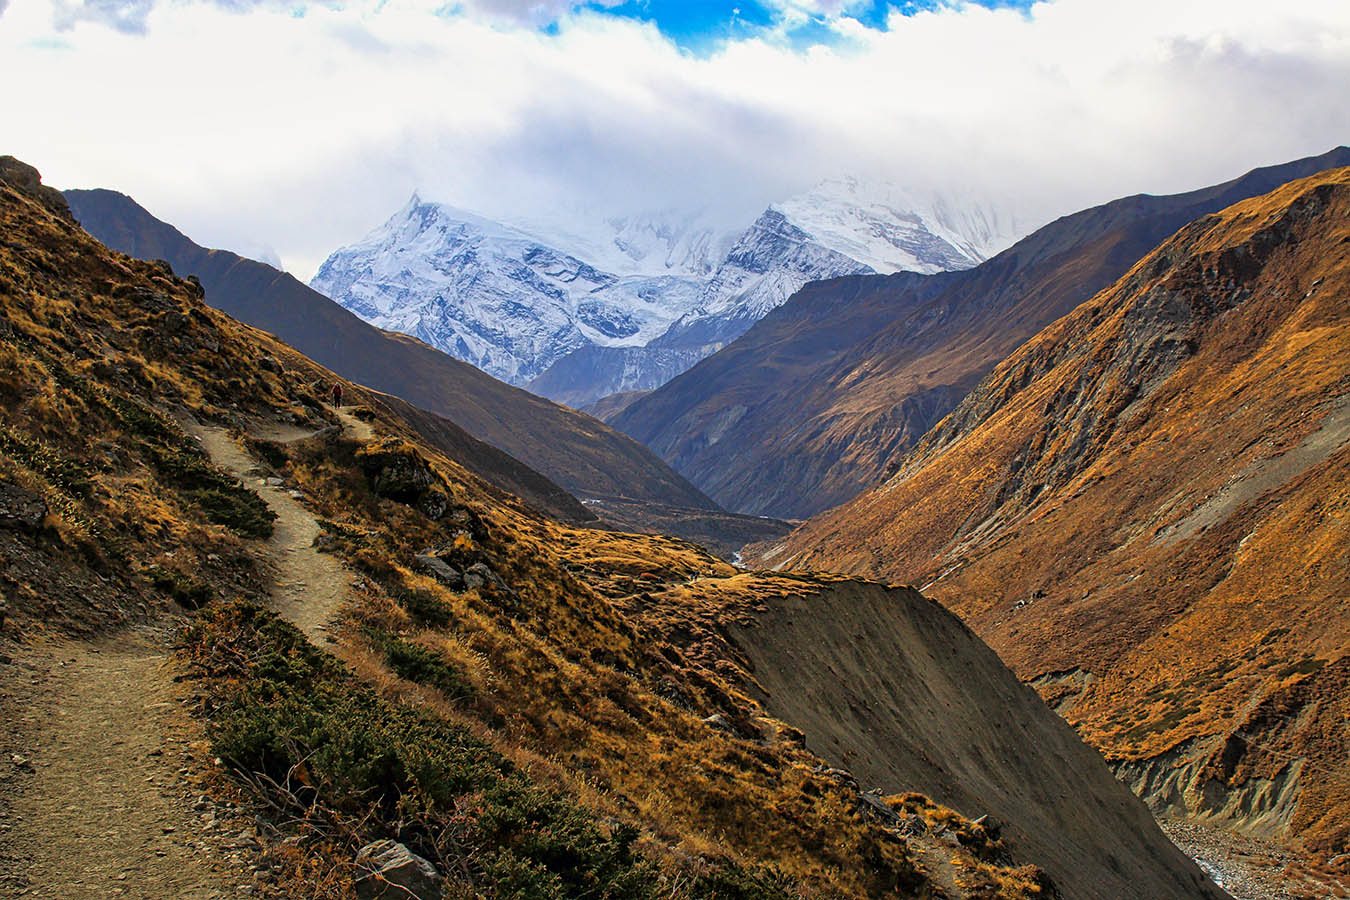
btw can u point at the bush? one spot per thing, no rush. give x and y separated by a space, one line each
187 593
420 664
424 608
66 474
222 498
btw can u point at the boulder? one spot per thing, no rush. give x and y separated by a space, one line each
873 803
20 509
397 471
480 574
439 569
433 504
23 177
389 869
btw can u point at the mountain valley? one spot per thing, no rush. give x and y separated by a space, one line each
576 452
820 398
395 667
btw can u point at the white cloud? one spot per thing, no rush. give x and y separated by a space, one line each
301 132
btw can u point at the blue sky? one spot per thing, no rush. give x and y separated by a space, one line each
705 25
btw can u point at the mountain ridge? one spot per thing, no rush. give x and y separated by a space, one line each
1142 510
579 316
818 398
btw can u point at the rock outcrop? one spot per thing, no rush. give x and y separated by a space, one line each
391 870
21 509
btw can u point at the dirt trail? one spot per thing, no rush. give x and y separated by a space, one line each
310 586
95 798
99 755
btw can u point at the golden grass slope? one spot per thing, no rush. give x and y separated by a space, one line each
1146 510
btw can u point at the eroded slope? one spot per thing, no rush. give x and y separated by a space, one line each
1145 510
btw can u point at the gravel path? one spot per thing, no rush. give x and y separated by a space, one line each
96 796
310 586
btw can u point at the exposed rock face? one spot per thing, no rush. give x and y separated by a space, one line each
25 178
391 870
819 398
1143 510
440 570
20 509
397 471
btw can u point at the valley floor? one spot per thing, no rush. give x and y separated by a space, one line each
1250 868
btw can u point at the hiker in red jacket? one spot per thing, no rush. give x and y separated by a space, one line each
337 395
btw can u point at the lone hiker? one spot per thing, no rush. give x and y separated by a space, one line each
337 395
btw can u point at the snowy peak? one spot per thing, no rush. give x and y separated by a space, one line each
666 242
492 294
515 297
892 229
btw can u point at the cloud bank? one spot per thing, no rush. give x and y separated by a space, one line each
300 126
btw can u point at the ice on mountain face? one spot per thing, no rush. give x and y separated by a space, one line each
665 289
892 230
667 242
493 295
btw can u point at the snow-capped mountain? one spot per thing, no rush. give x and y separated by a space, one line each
668 242
841 227
894 230
493 295
577 307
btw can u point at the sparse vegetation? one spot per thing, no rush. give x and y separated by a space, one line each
291 719
222 498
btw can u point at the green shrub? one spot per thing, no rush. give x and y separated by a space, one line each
271 452
221 497
277 704
424 608
66 474
187 593
420 664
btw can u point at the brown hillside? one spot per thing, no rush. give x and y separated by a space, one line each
606 408
822 396
1146 511
577 452
542 710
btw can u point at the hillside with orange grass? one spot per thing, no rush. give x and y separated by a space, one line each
537 710
1146 512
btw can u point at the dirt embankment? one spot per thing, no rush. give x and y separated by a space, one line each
889 685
